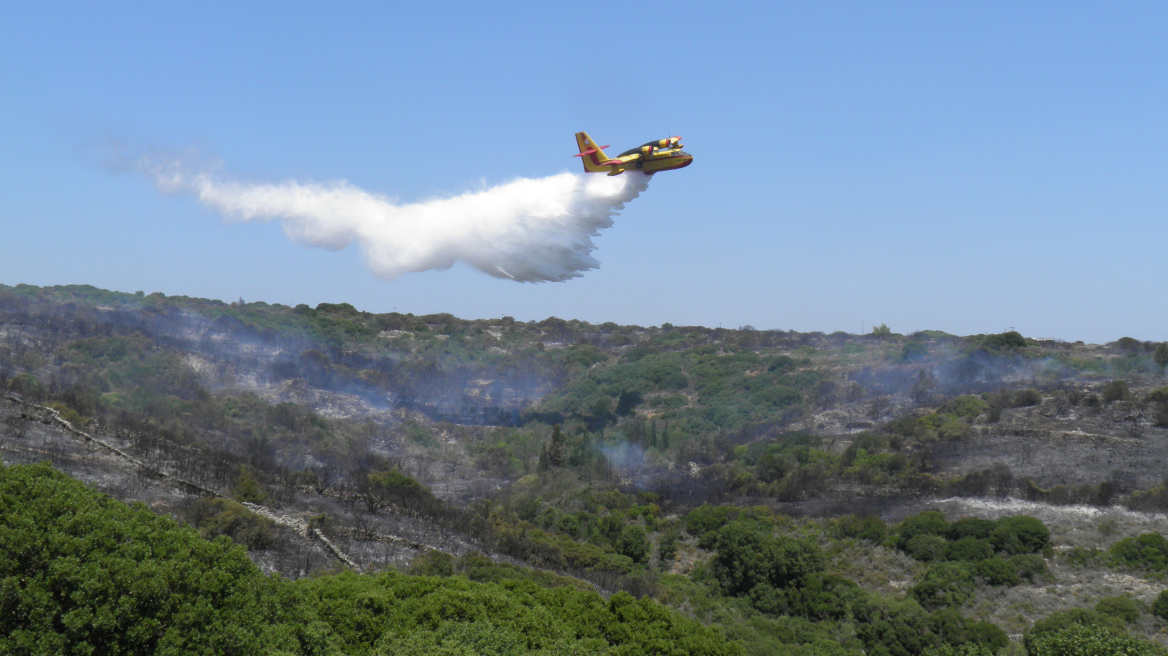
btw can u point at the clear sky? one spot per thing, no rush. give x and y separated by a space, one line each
960 166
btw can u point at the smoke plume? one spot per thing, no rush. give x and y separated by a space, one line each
527 230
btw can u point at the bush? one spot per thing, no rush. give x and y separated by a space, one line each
926 547
1124 608
1148 551
955 629
633 543
1116 390
1026 398
966 407
1079 640
1007 340
1062 620
215 517
929 522
946 585
83 573
1020 535
970 550
971 527
872 529
997 571
1160 606
747 557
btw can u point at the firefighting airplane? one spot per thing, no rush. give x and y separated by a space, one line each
661 155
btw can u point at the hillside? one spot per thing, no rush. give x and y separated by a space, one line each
780 486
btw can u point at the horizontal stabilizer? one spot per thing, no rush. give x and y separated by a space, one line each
590 151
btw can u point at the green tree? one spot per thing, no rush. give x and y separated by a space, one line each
1020 535
633 542
945 585
1160 606
747 556
1161 355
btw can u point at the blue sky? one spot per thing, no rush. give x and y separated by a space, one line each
967 167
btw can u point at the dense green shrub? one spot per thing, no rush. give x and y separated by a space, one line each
215 517
868 528
969 550
966 407
1125 608
1084 632
945 585
1115 390
748 556
997 571
81 573
1004 341
1020 535
1160 606
1148 551
634 543
929 522
971 527
926 547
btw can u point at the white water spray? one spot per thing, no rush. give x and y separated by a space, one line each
528 230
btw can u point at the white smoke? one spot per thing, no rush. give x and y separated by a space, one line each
528 230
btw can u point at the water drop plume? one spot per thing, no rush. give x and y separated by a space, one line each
527 230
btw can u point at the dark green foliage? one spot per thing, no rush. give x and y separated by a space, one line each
926 547
929 522
1115 390
748 556
246 489
1160 356
667 547
391 614
1020 535
1005 341
913 351
1080 640
971 527
897 627
1026 398
954 629
997 571
633 542
1160 606
215 517
970 550
1060 620
945 585
1148 552
869 528
1125 608
966 407
1084 632
81 573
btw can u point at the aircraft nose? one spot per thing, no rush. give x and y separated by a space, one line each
688 161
